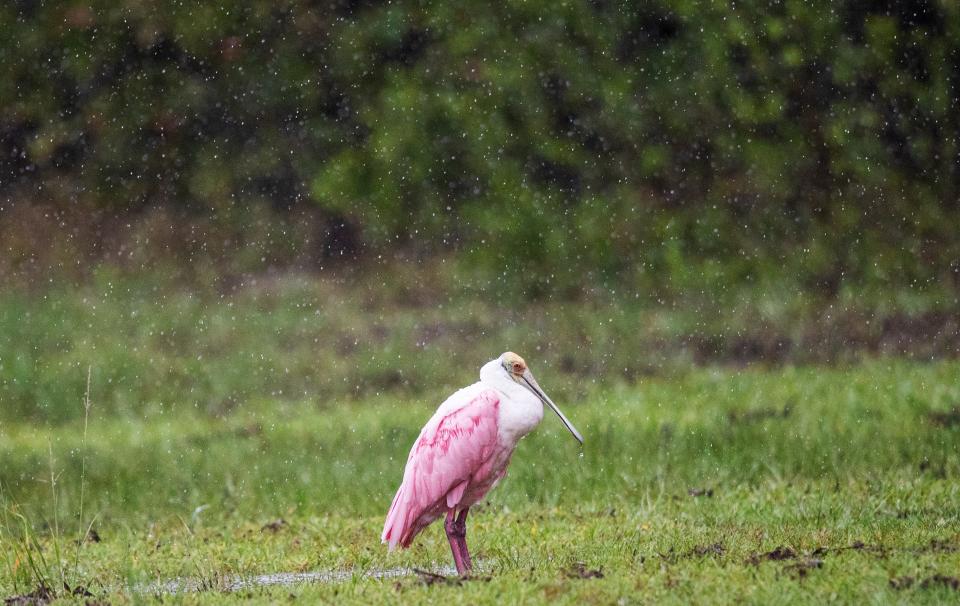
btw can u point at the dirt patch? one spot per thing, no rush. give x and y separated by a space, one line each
934 546
761 346
274 526
39 596
44 595
799 566
92 537
931 582
776 555
802 568
699 551
901 583
700 492
431 578
79 591
755 415
828 337
939 580
936 469
855 546
940 546
947 418
580 571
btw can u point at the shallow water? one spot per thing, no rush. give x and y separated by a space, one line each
239 582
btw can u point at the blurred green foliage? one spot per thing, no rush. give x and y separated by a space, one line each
592 140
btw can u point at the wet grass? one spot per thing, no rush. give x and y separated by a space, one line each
291 340
794 484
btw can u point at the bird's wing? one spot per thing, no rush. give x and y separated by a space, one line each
451 448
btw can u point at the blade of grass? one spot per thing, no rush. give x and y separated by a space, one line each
84 533
56 516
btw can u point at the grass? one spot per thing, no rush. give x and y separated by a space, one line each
799 484
158 350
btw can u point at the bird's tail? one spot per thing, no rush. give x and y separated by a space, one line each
395 526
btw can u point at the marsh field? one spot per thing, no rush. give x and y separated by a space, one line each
227 440
248 247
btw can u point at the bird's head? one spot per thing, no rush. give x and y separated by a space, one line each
514 365
516 369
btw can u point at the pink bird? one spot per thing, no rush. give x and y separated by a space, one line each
464 450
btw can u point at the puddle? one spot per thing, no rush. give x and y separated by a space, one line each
286 579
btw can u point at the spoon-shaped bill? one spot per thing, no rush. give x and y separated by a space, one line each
533 386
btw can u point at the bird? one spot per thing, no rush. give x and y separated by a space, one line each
463 452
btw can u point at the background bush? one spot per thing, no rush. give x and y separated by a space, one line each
662 145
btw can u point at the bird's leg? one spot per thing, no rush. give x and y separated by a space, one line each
451 527
461 524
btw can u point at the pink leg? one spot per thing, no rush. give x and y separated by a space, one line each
461 523
455 533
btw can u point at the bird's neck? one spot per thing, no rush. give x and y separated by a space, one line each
520 410
493 375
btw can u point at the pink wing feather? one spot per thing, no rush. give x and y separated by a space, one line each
444 460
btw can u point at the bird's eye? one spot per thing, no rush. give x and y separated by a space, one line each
516 366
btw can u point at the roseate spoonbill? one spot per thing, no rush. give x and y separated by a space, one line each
464 450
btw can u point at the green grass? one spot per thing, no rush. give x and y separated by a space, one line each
845 467
293 340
